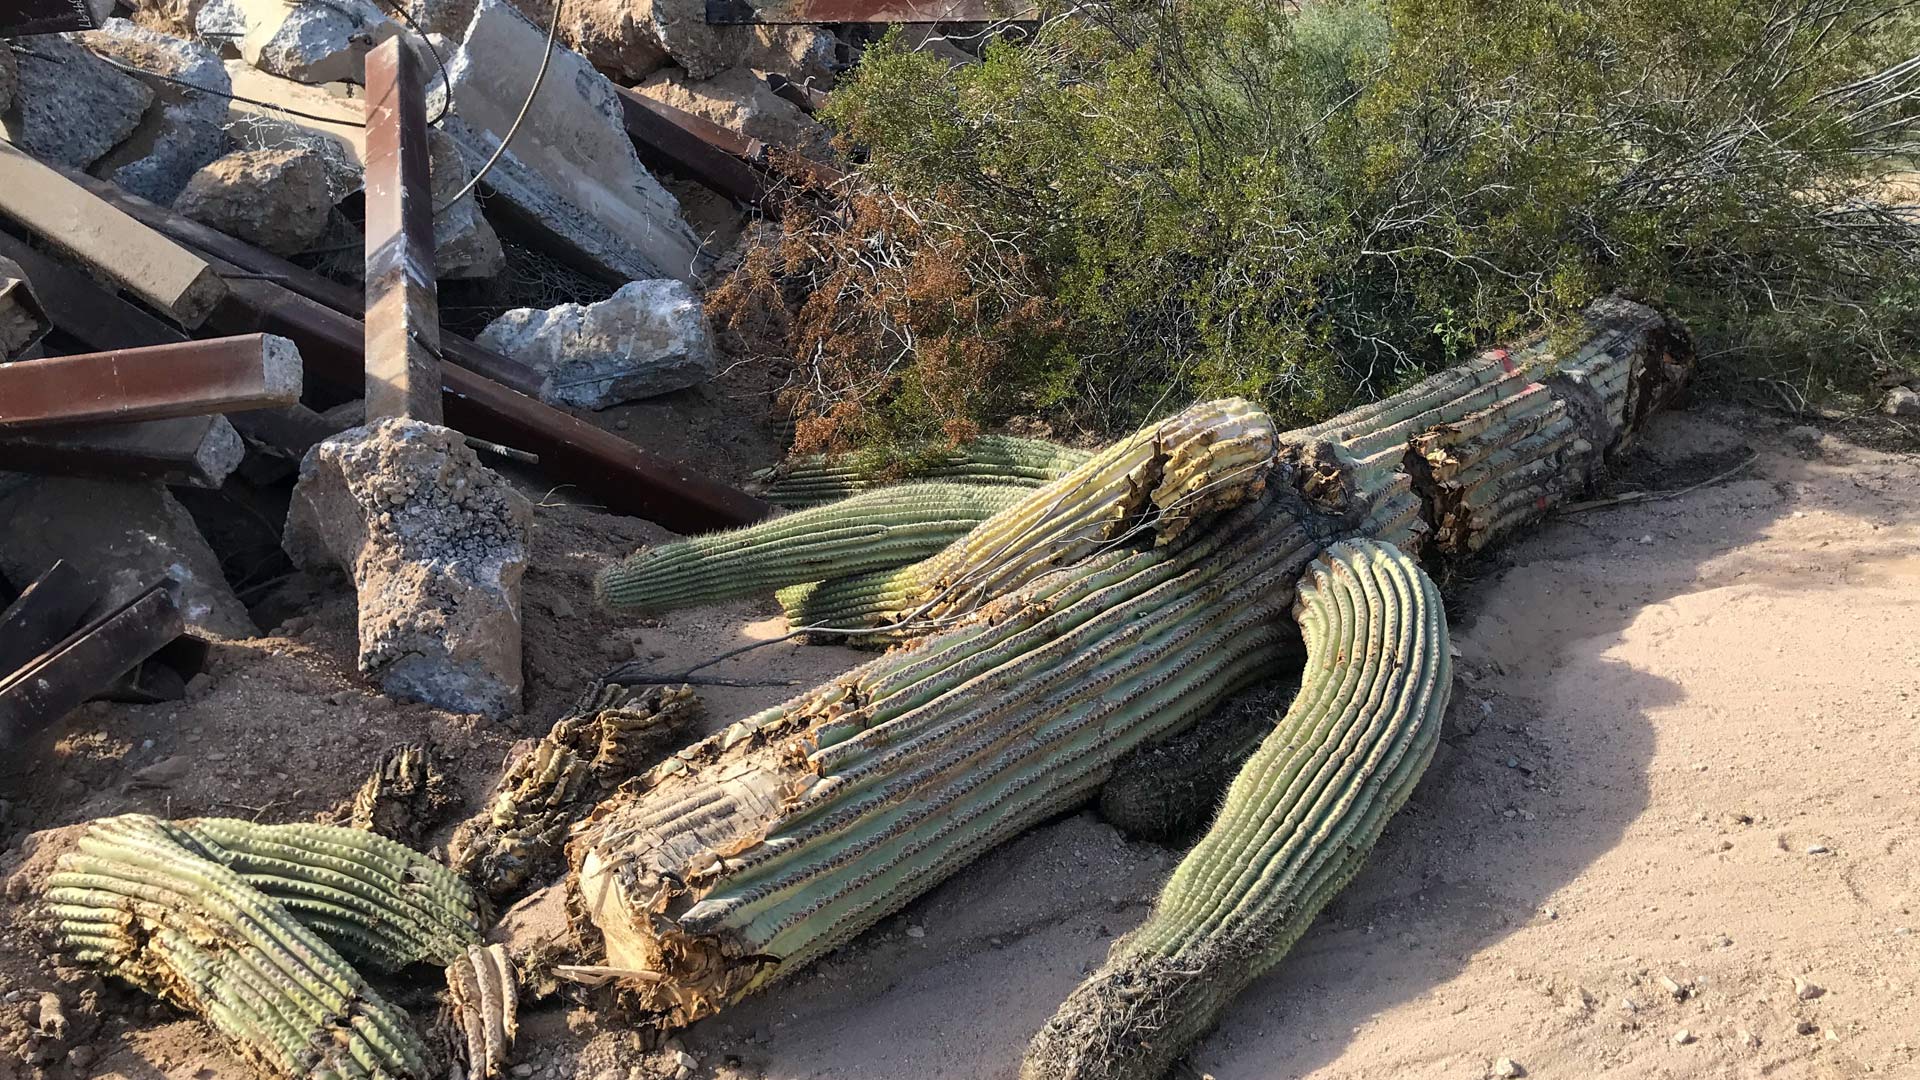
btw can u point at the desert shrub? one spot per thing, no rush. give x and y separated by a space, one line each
1153 200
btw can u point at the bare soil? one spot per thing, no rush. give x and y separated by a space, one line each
1682 769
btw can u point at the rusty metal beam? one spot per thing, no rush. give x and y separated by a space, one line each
192 378
693 147
237 255
24 18
85 663
82 308
42 614
23 322
731 12
194 451
403 306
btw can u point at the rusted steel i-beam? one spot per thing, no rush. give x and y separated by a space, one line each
403 307
85 663
189 378
866 11
22 18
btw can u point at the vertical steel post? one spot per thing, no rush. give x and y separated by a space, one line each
403 307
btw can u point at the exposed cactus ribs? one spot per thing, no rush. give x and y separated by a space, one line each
781 837
1144 490
1001 460
484 1000
139 900
875 530
1295 827
404 799
612 734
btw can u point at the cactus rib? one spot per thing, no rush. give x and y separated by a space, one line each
874 530
138 898
1002 460
1296 824
484 999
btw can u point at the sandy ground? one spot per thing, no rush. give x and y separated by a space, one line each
1682 769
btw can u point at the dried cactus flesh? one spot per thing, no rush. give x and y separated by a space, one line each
137 900
404 799
1002 460
782 836
484 999
377 901
874 530
1296 825
609 736
1151 485
1168 791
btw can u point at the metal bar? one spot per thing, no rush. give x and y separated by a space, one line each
44 612
191 378
808 98
150 266
693 147
624 477
195 451
23 322
82 308
733 12
403 306
24 18
224 249
87 662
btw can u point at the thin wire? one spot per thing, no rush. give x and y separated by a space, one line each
446 80
553 28
131 70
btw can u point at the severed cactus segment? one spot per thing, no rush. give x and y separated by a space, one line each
611 734
779 838
1295 827
377 901
484 999
404 799
138 899
875 530
1001 460
1147 488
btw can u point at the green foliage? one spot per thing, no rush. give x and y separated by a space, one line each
1215 197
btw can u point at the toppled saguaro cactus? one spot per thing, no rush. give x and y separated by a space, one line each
1003 460
137 900
483 996
608 736
1150 486
1296 825
379 902
874 530
782 836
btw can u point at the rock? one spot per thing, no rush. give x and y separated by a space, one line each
80 1057
1806 991
570 166
9 78
1818 849
162 774
631 39
742 102
313 41
649 338
1677 991
1803 433
808 55
1682 1037
436 544
277 199
1508 1069
73 106
183 130
916 932
464 245
223 21
122 535
1901 401
331 124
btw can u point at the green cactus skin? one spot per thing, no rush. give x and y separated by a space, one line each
138 900
781 837
1296 825
379 902
874 530
611 734
1002 460
1147 488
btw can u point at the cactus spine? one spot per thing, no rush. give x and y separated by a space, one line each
873 530
1296 825
139 900
1001 460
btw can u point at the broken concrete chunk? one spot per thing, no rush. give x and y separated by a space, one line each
9 77
182 130
276 199
741 101
570 168
436 544
124 536
1901 401
222 22
681 28
73 106
649 338
464 245
808 55
332 123
313 41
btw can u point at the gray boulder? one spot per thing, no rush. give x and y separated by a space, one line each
73 106
649 338
275 199
313 41
182 130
